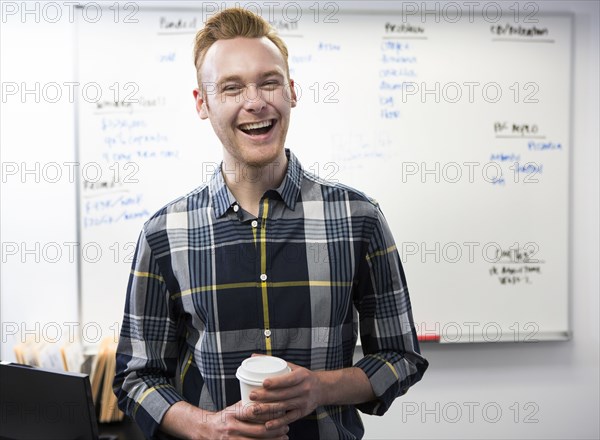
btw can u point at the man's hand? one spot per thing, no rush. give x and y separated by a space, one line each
288 397
240 422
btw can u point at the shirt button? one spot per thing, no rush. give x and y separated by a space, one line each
263 277
254 223
236 208
267 333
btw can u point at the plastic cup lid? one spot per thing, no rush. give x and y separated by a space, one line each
258 368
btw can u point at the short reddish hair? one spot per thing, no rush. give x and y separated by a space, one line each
231 23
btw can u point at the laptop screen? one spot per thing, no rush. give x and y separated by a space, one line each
36 403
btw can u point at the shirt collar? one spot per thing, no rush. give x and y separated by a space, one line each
220 195
289 190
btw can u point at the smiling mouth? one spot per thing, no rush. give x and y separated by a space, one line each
257 128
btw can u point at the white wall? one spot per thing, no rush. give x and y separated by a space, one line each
35 213
554 386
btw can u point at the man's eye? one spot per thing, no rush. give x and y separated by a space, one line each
271 84
230 88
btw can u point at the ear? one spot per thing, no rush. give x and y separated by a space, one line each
293 99
200 104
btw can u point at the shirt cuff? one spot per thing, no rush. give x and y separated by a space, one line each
152 406
384 381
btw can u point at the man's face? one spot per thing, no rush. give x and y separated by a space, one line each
248 99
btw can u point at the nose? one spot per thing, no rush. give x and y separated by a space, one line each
253 99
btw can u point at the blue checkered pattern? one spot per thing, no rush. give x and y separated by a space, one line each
210 285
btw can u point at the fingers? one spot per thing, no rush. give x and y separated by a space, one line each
271 396
282 388
262 412
290 416
245 421
280 414
286 398
253 430
295 395
285 380
256 430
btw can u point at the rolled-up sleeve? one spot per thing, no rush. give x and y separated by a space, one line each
392 360
147 353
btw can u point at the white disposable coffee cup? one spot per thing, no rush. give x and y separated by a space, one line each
255 369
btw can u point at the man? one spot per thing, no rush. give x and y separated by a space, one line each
264 259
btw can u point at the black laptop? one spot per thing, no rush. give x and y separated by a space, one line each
37 404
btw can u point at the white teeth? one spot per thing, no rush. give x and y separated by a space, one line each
255 125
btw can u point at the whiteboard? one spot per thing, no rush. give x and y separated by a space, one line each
460 130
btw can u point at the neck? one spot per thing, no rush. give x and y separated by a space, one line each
248 183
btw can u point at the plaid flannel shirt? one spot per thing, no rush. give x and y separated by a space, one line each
211 284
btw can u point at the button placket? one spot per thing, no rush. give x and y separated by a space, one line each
263 214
